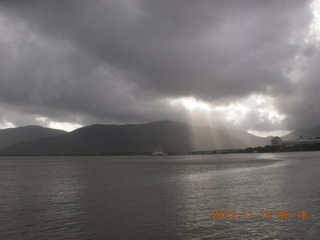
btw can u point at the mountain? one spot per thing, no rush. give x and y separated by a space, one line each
304 133
12 136
248 140
166 135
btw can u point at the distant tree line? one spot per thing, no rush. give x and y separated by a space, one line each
295 148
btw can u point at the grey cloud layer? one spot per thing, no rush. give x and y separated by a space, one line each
116 60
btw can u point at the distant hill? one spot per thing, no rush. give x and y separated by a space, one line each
12 136
166 135
304 133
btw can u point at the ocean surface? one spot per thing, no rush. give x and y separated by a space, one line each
267 196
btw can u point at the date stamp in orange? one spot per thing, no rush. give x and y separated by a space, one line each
265 214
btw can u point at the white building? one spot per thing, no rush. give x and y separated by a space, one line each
276 141
301 141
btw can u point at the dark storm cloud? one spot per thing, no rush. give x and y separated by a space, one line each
87 61
303 105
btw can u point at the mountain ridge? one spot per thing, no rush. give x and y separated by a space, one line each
304 133
11 136
168 135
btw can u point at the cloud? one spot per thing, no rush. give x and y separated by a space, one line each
120 61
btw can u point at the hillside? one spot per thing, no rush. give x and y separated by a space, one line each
304 133
134 138
12 136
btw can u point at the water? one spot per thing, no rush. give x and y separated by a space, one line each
158 197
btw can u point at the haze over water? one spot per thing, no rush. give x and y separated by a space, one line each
142 197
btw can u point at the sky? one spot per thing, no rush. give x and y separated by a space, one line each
247 64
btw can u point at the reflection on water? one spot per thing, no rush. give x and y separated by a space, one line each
157 197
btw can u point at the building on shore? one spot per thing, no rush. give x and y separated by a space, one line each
277 141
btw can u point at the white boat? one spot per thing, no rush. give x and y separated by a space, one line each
159 153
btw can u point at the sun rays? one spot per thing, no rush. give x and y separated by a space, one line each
245 113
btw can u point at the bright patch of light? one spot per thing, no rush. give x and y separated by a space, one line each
271 115
191 104
234 113
66 126
269 133
41 119
5 124
262 106
253 110
315 26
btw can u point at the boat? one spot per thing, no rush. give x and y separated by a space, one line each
159 153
